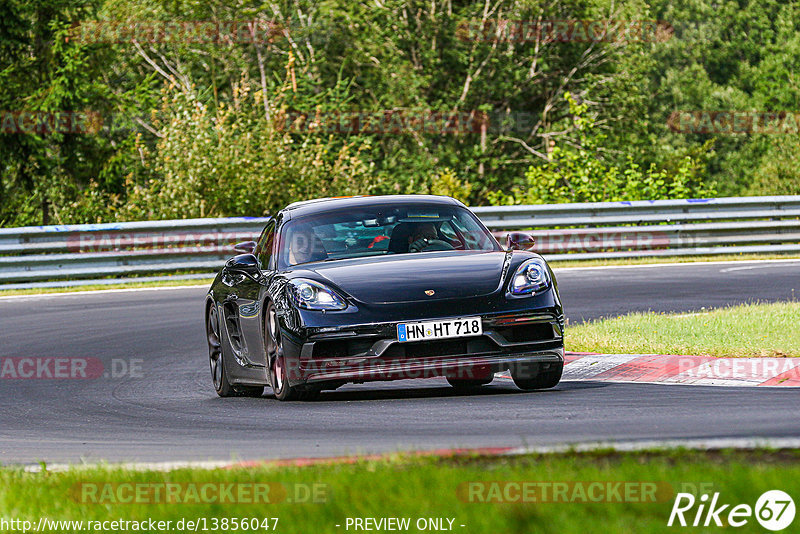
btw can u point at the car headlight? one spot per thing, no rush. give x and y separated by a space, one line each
312 295
530 277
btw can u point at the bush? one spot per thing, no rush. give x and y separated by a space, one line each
234 161
577 174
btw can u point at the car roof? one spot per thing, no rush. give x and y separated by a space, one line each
319 205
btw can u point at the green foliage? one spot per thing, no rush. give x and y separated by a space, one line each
234 160
202 132
778 171
322 494
446 183
729 55
578 174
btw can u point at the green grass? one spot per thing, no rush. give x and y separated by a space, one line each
737 331
669 259
425 487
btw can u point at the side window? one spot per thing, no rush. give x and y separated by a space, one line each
264 247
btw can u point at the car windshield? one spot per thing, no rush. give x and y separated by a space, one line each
381 230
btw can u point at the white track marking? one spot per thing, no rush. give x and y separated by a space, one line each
747 268
621 446
695 444
135 466
588 367
679 264
99 291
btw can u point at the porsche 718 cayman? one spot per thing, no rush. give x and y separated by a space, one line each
381 288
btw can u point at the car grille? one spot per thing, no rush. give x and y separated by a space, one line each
525 333
442 347
341 348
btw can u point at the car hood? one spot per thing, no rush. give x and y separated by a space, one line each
407 277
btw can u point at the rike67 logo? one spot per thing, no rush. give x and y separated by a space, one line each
774 510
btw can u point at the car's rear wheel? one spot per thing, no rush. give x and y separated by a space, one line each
470 383
279 372
544 379
219 376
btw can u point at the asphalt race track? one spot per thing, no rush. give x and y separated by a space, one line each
169 411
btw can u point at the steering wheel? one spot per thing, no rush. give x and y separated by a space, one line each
429 245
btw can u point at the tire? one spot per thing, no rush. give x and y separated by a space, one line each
543 380
219 376
465 384
279 374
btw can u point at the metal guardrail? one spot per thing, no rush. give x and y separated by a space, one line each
91 251
597 230
604 230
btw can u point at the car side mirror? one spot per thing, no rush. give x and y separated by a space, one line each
520 241
245 247
245 263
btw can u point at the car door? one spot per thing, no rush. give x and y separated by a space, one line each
248 299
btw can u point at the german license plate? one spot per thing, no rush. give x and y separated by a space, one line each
449 328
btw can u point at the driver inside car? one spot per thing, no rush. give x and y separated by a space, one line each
425 237
305 246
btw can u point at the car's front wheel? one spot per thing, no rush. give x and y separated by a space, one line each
279 371
544 378
219 376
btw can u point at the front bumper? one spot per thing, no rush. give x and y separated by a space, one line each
524 343
461 367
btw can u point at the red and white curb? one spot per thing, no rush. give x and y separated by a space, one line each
671 369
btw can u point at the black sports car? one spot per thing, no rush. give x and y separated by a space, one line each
381 288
